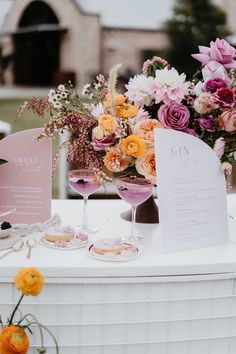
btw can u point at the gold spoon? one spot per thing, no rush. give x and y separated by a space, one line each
16 247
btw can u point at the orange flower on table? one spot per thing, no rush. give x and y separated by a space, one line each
115 161
146 165
227 121
29 281
13 340
119 100
127 111
133 146
107 123
145 129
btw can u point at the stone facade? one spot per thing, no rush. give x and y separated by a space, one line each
87 48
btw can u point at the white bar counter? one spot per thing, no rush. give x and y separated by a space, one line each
166 304
105 214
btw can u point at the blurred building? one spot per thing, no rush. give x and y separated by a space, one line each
50 41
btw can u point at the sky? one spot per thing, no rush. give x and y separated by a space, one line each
141 14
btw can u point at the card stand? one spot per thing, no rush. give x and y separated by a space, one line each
187 315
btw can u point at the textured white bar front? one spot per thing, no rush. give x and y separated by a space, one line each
162 317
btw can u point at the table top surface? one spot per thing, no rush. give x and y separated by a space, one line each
105 214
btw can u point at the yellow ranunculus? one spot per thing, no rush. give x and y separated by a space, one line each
115 162
133 146
127 111
119 100
107 123
29 281
13 340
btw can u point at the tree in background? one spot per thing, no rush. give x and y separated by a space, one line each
195 22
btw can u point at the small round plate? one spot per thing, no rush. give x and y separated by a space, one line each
112 257
70 245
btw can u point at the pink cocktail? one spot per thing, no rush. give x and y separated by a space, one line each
84 186
134 191
84 183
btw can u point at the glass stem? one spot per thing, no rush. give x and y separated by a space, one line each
133 221
85 219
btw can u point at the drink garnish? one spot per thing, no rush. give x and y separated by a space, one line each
81 181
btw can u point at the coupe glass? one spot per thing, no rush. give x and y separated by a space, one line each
135 191
84 183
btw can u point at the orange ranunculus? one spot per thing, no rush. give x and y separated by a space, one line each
29 281
227 120
107 123
145 129
115 162
119 100
13 340
146 165
127 111
133 146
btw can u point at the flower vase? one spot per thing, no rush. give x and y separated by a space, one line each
146 212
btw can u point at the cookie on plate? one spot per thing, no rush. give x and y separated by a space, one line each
107 246
59 233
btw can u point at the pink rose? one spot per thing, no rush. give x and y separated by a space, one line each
203 104
102 144
214 84
219 51
174 116
227 121
207 124
224 97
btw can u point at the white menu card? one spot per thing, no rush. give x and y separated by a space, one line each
191 192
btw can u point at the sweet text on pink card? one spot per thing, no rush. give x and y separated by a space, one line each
25 181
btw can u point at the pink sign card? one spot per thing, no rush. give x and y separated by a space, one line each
25 181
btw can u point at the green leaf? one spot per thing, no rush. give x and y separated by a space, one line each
2 161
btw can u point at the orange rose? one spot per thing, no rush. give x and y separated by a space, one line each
227 121
145 129
146 166
126 111
13 340
133 146
107 123
115 162
119 100
29 281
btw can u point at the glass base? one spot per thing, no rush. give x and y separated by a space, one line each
133 239
86 229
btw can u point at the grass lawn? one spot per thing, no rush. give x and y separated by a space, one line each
8 113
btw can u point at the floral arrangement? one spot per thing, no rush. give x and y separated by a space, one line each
114 133
13 337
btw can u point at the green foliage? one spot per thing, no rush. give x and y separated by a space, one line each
195 22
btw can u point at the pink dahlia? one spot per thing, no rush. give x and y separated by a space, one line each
170 86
